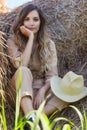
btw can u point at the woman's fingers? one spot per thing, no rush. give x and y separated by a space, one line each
37 104
25 31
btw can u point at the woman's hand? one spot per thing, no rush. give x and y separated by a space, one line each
25 31
39 98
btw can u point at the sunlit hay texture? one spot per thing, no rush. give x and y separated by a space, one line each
3 7
6 22
5 84
3 67
67 25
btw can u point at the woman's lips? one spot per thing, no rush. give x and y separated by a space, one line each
32 29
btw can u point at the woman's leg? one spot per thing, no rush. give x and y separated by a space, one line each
54 103
26 104
49 109
26 88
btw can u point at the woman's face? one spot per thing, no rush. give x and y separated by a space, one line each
32 21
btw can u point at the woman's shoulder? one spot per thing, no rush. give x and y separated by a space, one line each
51 43
11 37
11 40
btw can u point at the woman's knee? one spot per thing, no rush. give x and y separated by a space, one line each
24 73
49 109
23 70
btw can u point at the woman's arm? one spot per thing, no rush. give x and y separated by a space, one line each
46 87
13 51
25 57
41 95
48 74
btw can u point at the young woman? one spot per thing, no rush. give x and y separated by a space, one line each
31 46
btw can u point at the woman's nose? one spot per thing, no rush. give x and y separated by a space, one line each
31 22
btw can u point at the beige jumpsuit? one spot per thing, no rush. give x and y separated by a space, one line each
32 77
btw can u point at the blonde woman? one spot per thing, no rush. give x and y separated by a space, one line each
31 45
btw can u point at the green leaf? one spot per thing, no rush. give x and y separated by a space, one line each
80 116
66 127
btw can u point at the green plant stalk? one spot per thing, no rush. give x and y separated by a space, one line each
3 117
54 113
21 123
61 119
80 116
58 128
18 99
85 119
39 113
45 121
66 127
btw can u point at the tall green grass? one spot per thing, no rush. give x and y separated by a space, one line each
41 117
17 112
3 117
45 122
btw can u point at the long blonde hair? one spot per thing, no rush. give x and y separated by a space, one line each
45 55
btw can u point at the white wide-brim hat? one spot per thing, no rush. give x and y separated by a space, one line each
70 88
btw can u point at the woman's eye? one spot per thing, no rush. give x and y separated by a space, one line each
26 19
36 19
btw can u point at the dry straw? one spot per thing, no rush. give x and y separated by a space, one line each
3 66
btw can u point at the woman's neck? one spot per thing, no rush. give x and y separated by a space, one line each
35 39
